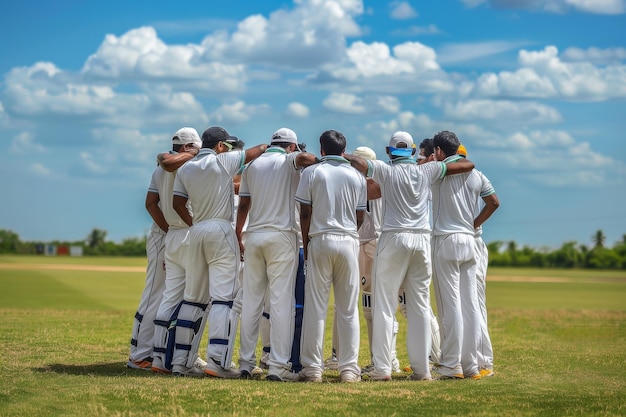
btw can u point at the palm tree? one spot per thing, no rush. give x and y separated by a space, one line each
598 238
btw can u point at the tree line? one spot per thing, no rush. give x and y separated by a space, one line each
501 253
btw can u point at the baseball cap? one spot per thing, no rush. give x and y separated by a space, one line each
462 151
365 152
186 135
285 135
216 134
399 138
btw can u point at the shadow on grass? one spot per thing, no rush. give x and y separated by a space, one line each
99 369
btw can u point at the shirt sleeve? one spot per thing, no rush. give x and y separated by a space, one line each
303 193
179 187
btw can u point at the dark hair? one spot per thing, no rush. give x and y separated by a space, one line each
333 142
302 146
427 146
447 141
176 148
283 145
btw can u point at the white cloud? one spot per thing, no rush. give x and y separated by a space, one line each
595 55
353 104
610 7
504 111
401 10
297 110
238 112
40 170
24 144
307 36
545 75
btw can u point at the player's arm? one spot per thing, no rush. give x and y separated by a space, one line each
459 167
171 162
242 214
305 224
360 164
491 205
152 206
254 152
305 159
373 190
180 206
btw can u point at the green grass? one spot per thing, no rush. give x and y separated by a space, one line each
64 342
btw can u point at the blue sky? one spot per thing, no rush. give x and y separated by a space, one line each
91 91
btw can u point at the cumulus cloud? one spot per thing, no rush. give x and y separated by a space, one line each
353 104
309 35
401 10
610 7
505 111
297 110
238 112
544 75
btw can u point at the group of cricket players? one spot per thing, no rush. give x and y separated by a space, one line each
249 242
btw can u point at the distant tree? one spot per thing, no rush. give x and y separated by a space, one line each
96 238
9 241
598 239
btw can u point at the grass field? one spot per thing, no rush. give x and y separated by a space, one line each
558 335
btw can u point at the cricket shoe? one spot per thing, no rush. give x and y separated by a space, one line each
447 373
416 377
331 363
314 377
485 372
144 365
349 377
475 376
282 375
193 372
215 370
395 366
159 368
376 375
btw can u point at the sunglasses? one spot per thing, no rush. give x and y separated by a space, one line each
228 145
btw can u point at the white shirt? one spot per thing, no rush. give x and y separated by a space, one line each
336 191
162 183
456 200
405 188
207 181
271 182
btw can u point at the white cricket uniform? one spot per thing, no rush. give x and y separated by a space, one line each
271 256
454 269
143 326
175 258
213 253
335 191
403 259
485 349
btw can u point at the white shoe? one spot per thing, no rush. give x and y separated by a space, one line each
331 363
213 369
200 363
194 371
349 376
310 378
376 375
395 366
283 375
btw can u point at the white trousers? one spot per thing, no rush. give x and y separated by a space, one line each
143 326
212 268
402 261
454 276
176 244
485 350
271 264
332 259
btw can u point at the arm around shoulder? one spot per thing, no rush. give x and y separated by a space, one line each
459 167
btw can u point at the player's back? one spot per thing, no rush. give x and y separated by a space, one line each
455 198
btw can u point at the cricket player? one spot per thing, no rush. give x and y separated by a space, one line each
206 182
455 201
332 197
266 201
403 253
141 350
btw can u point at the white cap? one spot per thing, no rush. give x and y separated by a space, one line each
365 153
399 138
284 135
186 135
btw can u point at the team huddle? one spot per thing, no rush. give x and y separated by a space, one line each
250 241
